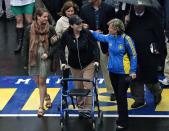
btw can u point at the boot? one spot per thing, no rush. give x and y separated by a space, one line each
19 32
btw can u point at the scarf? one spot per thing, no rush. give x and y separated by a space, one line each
38 34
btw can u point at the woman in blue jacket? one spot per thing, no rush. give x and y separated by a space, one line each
121 65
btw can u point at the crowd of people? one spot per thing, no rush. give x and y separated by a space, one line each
127 41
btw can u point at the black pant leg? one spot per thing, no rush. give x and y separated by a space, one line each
120 87
137 91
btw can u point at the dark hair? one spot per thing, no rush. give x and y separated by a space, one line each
66 6
39 12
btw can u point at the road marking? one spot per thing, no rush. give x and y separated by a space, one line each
164 104
5 96
33 101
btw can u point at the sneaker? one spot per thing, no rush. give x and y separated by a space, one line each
138 104
165 81
120 128
10 17
1 13
112 97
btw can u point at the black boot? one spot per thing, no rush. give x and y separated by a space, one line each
19 32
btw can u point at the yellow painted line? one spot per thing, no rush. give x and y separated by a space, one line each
5 96
104 98
130 102
102 90
107 99
129 90
101 97
108 108
164 104
33 101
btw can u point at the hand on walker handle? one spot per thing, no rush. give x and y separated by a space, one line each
44 56
63 66
96 64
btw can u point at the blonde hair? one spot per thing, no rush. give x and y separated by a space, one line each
118 24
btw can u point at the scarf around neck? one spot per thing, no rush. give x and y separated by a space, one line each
38 34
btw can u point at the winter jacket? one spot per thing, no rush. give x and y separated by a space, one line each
51 49
106 13
82 51
144 30
122 54
61 25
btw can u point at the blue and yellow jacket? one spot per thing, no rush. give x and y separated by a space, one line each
122 53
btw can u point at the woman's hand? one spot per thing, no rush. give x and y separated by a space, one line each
127 19
44 56
25 67
53 39
133 75
85 26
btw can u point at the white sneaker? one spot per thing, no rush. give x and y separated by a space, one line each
9 16
1 13
165 81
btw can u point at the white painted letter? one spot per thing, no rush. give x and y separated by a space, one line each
26 81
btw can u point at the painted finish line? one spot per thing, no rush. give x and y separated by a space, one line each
19 95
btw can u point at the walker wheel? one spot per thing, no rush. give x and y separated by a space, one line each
62 125
93 125
65 115
100 118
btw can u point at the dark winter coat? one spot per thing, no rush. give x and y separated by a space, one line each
144 30
82 51
166 7
52 49
107 12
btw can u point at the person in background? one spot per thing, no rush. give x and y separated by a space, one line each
54 6
83 55
40 4
7 10
69 8
21 9
165 81
144 24
121 8
96 14
39 45
122 65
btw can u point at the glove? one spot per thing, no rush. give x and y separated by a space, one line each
25 67
63 66
133 75
96 64
44 56
128 79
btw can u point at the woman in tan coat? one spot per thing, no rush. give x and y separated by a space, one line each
39 45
